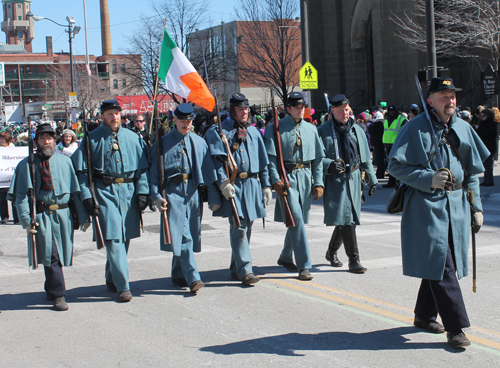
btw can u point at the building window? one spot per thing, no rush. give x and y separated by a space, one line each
19 6
8 6
123 67
115 83
113 68
28 69
19 17
124 83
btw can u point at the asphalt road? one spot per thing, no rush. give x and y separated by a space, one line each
338 319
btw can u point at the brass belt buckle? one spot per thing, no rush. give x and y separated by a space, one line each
53 207
119 180
299 166
243 175
185 176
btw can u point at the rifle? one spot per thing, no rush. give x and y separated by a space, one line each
164 220
289 221
470 195
32 198
230 167
95 215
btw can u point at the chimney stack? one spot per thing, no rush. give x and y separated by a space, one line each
105 30
48 43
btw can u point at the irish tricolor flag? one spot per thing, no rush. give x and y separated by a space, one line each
180 77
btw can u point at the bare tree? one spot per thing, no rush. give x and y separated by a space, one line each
91 89
183 17
463 27
270 43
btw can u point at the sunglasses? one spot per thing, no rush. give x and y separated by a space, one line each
140 121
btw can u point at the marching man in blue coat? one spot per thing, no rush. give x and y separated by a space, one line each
347 151
303 153
436 222
120 162
187 167
56 187
251 190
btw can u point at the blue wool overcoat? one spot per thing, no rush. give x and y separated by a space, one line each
119 216
430 214
342 195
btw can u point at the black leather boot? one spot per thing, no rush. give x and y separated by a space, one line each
333 247
351 248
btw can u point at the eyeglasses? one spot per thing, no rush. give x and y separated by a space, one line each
140 121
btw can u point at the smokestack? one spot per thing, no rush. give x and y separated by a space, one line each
48 43
105 30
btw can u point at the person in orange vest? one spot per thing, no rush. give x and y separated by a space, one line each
393 122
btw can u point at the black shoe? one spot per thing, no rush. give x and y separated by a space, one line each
111 287
458 339
305 274
234 276
195 286
60 303
289 266
356 267
250 279
334 261
430 325
16 221
180 282
152 208
124 296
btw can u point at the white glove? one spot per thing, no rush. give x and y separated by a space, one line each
84 226
227 190
30 230
268 195
439 179
477 220
161 204
213 207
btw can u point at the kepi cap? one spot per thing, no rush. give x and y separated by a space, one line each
339 100
238 99
441 84
110 104
184 111
295 99
44 128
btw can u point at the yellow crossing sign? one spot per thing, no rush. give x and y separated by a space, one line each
308 77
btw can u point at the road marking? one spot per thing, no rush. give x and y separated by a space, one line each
367 310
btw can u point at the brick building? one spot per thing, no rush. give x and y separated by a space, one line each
225 50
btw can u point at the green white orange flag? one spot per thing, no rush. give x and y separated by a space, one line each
181 77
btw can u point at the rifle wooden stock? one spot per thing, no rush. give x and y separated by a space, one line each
289 221
95 216
32 197
159 146
231 175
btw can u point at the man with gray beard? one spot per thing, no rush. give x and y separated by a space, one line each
57 199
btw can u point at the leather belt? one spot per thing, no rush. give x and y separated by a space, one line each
108 179
42 207
290 166
243 175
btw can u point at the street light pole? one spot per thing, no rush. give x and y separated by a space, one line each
431 39
70 29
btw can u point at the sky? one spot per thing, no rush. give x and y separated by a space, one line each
124 18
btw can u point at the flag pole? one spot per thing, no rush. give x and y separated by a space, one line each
157 71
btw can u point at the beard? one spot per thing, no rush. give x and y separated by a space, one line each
46 151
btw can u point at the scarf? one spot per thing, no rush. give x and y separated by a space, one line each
44 169
349 152
242 130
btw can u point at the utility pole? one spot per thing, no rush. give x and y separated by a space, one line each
431 40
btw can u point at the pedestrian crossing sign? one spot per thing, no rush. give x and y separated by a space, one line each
308 77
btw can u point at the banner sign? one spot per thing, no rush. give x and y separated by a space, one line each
9 158
134 105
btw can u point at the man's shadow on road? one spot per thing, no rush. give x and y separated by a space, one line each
289 344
